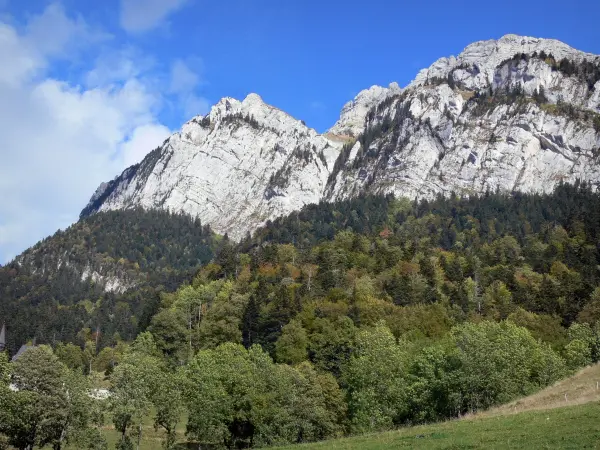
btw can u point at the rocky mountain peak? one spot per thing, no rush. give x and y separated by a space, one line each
481 60
517 113
241 164
352 118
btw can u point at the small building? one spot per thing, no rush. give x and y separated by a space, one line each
22 350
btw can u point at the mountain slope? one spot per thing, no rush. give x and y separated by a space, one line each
541 420
518 113
240 165
83 277
561 428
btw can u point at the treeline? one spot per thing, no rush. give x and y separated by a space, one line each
80 279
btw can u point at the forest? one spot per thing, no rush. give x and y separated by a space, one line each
344 318
48 293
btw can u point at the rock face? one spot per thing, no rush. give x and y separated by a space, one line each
240 165
514 114
354 113
517 113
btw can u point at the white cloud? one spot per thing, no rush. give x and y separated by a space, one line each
138 16
58 141
183 79
24 62
184 83
120 65
53 34
143 139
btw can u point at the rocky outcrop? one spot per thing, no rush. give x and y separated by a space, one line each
352 118
514 114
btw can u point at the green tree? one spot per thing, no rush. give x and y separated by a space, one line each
375 378
5 399
500 361
80 412
218 388
291 347
584 345
590 313
239 398
50 405
497 301
106 360
224 321
132 385
331 343
70 355
541 326
168 404
435 383
578 354
171 334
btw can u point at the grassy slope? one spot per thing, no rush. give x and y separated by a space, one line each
546 419
573 427
583 387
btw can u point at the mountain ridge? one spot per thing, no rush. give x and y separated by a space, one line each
517 113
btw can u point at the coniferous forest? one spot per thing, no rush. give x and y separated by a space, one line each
104 271
343 318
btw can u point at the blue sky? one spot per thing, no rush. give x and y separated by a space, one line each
90 87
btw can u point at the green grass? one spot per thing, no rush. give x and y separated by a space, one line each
575 427
571 427
151 439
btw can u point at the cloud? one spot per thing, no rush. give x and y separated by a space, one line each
58 140
24 62
183 79
53 34
183 84
138 16
143 139
120 65
317 105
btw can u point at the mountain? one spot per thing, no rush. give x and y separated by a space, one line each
243 163
518 113
106 269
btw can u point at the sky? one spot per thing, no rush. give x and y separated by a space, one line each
89 88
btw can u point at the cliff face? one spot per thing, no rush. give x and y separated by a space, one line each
518 113
514 114
243 163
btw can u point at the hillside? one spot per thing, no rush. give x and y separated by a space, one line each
352 317
103 273
541 420
572 427
581 388
540 247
